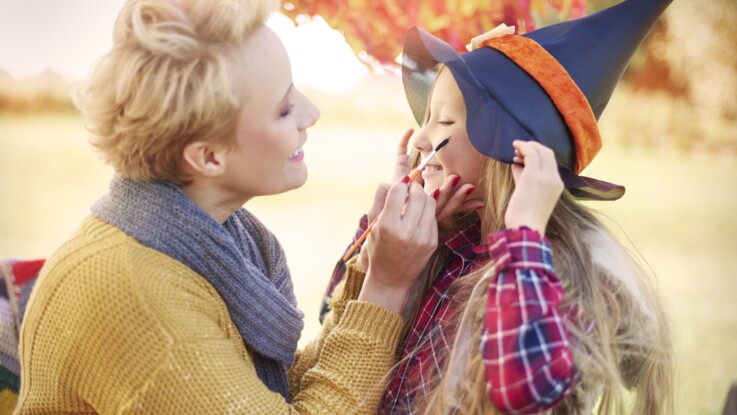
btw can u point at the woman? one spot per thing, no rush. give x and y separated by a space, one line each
171 298
554 315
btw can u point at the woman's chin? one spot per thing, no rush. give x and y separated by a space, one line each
296 182
301 182
295 176
289 184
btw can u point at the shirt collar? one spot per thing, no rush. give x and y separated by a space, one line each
464 241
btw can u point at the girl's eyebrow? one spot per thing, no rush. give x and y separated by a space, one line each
446 109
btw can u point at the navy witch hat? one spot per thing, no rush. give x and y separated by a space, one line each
550 85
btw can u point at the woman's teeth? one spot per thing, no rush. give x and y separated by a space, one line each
433 168
296 154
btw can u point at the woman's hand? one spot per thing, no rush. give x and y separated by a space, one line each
401 165
379 199
453 197
401 169
400 245
538 186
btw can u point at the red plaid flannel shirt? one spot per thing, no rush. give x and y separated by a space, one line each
524 345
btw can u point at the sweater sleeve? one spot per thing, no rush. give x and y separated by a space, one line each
339 272
347 290
129 331
341 372
524 344
211 377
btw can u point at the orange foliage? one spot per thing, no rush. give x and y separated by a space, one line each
377 27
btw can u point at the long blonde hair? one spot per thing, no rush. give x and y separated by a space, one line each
621 338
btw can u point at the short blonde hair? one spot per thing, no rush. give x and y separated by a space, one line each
167 82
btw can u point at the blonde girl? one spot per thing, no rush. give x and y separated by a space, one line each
528 305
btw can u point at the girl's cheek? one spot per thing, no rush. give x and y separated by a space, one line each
449 165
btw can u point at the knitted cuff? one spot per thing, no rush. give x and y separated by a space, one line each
353 280
348 289
374 321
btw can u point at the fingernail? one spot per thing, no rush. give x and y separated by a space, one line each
470 190
455 181
405 179
435 194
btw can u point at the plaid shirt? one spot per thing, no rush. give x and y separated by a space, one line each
524 345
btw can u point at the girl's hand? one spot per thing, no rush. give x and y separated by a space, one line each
538 186
400 245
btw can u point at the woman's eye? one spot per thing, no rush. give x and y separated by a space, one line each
445 122
287 111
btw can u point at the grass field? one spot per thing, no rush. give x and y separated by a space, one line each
679 212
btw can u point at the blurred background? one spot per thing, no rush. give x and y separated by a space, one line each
670 136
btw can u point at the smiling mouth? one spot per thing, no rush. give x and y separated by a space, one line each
297 154
432 167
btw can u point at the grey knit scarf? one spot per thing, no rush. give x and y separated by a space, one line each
240 258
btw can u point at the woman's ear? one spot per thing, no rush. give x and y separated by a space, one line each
202 158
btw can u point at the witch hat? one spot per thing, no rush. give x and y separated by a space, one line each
550 85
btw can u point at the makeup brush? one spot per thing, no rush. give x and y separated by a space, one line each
416 172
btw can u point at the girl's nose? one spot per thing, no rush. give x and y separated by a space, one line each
421 142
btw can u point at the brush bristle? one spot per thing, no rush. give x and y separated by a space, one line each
442 143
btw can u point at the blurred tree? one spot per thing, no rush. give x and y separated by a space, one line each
700 50
375 29
46 92
690 57
687 67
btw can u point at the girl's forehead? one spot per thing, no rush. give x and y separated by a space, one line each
446 90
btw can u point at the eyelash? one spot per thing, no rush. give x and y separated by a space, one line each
287 112
445 122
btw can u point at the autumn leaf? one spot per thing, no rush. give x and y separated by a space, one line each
378 27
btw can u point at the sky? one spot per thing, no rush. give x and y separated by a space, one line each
68 36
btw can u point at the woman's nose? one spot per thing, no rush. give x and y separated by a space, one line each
310 114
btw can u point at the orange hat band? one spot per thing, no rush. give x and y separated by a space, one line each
562 90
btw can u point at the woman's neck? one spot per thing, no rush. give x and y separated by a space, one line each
213 200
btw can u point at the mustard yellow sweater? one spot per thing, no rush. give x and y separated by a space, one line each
115 327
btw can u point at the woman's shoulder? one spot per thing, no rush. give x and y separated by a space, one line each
100 255
107 308
103 271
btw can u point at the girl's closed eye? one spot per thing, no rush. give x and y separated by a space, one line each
446 122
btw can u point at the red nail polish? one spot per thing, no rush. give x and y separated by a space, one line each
455 181
405 179
470 190
435 194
